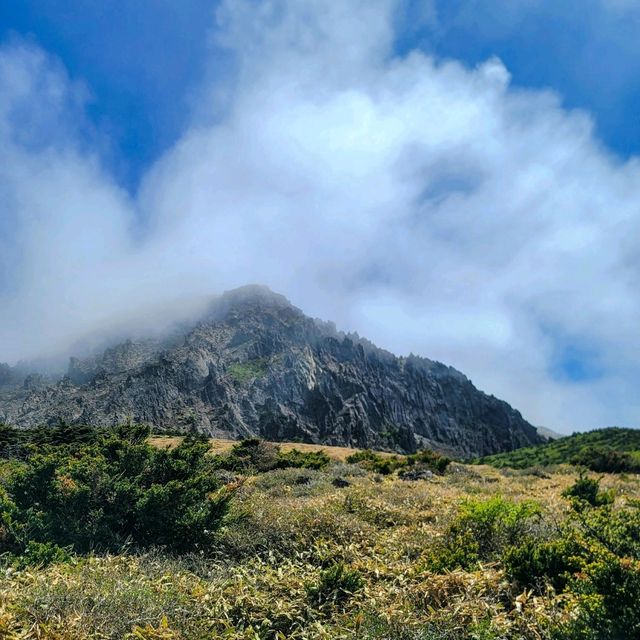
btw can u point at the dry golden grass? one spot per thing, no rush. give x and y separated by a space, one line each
287 527
219 445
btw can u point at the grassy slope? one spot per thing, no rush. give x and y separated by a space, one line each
565 449
288 532
288 526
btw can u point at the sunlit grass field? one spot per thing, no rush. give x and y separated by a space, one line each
335 553
220 445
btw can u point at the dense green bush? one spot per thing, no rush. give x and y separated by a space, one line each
376 462
254 455
428 459
595 558
110 491
387 464
12 442
481 531
603 459
535 563
587 491
251 454
608 592
335 585
303 460
19 443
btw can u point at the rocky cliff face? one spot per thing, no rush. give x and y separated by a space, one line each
256 365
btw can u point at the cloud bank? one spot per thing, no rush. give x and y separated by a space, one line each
431 207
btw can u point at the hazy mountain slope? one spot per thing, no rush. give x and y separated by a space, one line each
256 365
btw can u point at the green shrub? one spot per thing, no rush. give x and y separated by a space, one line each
608 594
586 491
606 460
40 554
611 450
387 464
303 460
112 493
595 559
481 530
250 455
335 585
533 563
253 455
12 442
242 372
428 459
376 462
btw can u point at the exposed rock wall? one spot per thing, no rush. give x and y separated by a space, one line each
256 365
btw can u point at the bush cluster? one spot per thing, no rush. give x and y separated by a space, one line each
593 557
105 491
603 459
480 532
387 464
257 456
335 585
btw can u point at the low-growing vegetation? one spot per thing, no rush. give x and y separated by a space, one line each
611 450
386 464
242 372
109 491
104 536
258 456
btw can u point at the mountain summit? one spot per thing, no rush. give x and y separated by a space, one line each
255 365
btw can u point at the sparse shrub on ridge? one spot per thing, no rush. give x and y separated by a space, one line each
602 459
611 450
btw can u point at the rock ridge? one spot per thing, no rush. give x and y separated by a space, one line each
255 365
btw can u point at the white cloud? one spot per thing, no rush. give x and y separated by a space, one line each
431 207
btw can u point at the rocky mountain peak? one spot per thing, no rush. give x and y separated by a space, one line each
255 365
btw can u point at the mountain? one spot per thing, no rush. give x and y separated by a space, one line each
255 365
548 434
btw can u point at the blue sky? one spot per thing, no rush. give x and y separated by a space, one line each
142 60
139 61
455 179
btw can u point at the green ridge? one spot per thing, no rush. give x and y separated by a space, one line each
606 450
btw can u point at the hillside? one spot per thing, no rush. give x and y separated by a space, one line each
255 365
257 543
600 450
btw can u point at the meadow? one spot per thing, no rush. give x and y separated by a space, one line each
325 548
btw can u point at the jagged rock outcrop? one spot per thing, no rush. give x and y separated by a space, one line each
256 365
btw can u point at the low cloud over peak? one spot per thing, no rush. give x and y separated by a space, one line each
431 207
